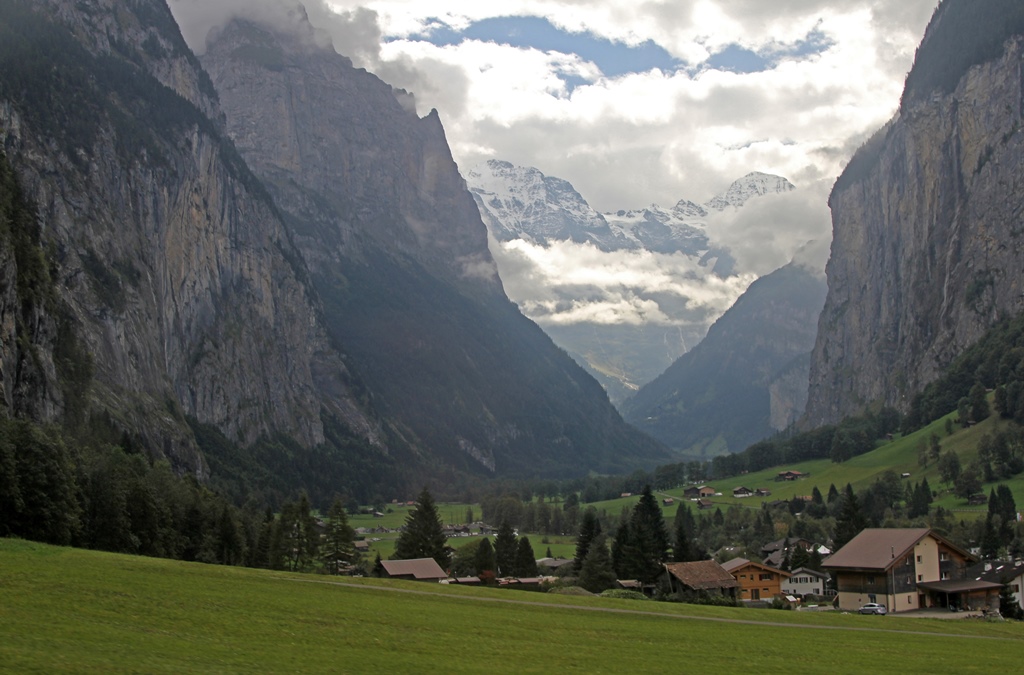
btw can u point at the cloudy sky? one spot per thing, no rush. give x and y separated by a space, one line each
640 101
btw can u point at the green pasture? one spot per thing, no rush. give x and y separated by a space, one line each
899 455
68 610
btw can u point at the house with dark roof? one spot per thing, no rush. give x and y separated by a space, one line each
701 576
418 569
757 581
1004 572
705 504
805 581
742 491
904 569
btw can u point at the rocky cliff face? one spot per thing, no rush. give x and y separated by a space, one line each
928 240
180 279
398 252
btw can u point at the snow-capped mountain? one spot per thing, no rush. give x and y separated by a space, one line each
624 292
520 202
523 203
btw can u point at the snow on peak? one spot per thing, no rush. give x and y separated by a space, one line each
754 184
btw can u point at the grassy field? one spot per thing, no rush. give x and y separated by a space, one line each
899 455
67 610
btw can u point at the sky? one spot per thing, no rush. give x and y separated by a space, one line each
640 101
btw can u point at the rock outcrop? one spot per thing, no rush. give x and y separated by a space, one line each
928 234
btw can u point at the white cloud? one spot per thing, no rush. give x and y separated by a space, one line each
565 283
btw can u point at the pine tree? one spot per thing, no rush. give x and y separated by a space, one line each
850 521
505 545
597 573
648 538
338 547
526 562
484 560
684 526
423 535
589 529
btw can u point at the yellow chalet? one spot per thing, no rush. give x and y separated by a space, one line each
904 569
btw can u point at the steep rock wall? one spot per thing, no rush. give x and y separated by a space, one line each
181 279
928 242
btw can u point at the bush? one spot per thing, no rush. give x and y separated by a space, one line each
623 594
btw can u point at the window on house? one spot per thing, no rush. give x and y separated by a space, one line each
919 559
943 557
920 577
944 576
869 579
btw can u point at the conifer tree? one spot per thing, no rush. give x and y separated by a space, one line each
423 536
484 560
648 542
684 526
597 573
505 545
338 547
589 529
850 521
526 562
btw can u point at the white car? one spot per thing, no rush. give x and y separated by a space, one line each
872 608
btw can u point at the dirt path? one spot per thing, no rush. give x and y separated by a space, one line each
640 612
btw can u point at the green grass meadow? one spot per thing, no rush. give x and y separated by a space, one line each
899 455
68 610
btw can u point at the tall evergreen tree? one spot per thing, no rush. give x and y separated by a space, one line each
598 572
505 545
649 538
590 527
849 521
338 548
485 557
423 536
684 532
526 562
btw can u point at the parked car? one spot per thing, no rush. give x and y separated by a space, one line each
872 608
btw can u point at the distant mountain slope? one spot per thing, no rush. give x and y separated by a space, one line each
926 252
398 253
746 379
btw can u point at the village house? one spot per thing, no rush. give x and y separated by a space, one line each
742 492
904 569
1002 572
705 504
418 569
789 475
757 581
805 581
699 491
701 576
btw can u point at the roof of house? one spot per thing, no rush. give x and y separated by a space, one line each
999 571
958 585
807 571
702 574
779 544
418 568
736 563
878 548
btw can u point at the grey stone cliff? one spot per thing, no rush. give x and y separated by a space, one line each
927 248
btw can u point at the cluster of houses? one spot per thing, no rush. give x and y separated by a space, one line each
901 568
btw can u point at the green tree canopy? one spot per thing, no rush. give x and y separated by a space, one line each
423 535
